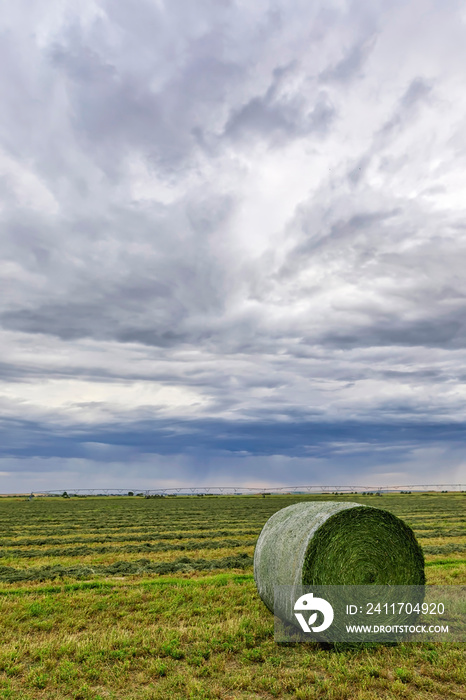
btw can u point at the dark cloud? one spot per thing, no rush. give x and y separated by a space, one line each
404 113
340 231
77 320
202 437
280 118
351 65
416 93
441 332
232 238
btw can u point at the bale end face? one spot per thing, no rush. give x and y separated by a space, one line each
334 543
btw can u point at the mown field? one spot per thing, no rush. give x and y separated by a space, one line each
132 599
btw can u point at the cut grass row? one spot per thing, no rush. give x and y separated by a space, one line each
100 550
86 553
123 537
147 547
128 631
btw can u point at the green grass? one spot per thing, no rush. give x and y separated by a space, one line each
105 625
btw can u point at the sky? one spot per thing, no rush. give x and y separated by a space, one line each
232 243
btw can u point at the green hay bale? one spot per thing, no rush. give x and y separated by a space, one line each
334 543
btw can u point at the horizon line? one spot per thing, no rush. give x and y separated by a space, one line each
107 491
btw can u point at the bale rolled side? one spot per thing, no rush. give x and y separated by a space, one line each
332 543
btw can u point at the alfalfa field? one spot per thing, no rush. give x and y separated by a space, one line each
132 599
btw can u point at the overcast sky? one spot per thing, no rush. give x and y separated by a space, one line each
233 243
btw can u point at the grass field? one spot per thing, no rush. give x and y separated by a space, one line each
134 598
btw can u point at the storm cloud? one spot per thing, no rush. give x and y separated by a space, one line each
232 243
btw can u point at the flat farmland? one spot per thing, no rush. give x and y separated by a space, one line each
133 598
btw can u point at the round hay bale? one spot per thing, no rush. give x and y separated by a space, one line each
332 543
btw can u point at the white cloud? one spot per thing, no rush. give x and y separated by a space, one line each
235 212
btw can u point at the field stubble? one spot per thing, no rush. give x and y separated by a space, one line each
134 599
